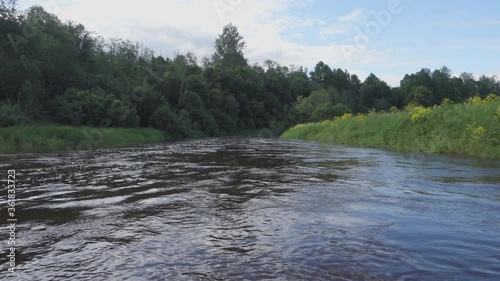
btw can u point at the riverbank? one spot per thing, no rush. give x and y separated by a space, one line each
472 128
66 138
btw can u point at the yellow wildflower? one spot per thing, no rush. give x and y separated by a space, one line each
345 116
478 132
419 113
446 101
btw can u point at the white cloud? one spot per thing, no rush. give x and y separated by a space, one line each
354 16
188 25
193 25
345 23
496 75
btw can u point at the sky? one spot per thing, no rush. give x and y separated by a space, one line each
389 38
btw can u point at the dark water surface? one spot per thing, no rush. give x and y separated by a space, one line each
253 209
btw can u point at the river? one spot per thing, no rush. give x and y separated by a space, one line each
253 209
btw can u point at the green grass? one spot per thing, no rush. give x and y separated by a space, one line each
472 129
65 138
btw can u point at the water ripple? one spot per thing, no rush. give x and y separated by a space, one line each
255 209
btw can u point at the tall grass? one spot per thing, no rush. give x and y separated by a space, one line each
59 138
472 128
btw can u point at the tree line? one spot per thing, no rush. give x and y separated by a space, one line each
54 72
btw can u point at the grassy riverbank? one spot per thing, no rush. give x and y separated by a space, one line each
472 128
66 138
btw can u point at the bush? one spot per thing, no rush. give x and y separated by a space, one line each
11 115
93 108
472 128
329 111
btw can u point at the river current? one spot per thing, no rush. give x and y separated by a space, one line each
252 209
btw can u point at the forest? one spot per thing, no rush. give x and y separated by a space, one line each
59 73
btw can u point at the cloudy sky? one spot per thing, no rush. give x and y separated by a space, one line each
387 37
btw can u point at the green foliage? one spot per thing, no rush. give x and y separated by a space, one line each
320 106
422 96
65 138
64 74
377 94
229 47
309 104
329 111
322 74
10 115
146 103
93 108
469 129
166 120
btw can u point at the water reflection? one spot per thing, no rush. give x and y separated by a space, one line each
225 209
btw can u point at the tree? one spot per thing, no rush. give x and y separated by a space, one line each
8 10
58 72
299 84
340 79
229 47
423 96
10 115
410 82
469 86
356 94
92 108
165 119
202 120
329 111
322 74
441 86
146 103
307 105
376 93
487 85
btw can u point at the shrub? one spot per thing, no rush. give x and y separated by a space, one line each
472 128
11 115
419 113
329 111
92 107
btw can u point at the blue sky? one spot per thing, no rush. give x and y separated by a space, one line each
387 37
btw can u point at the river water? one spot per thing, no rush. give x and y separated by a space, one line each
253 209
